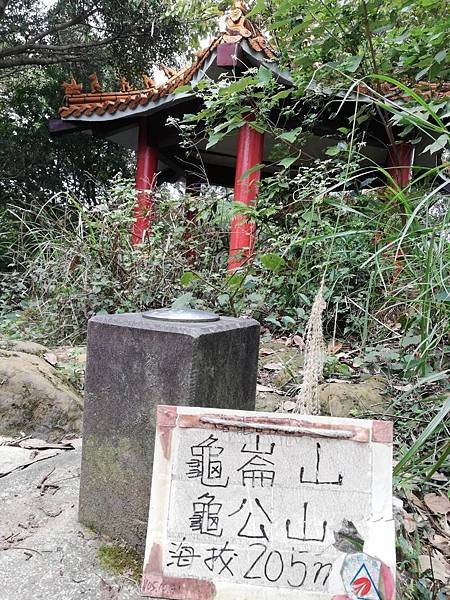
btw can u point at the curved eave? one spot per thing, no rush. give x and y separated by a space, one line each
139 111
153 107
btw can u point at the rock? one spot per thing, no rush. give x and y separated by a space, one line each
268 401
289 359
345 399
23 346
338 399
44 552
34 399
73 355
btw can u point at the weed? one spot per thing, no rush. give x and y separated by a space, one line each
121 560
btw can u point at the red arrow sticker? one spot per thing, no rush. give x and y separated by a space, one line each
362 586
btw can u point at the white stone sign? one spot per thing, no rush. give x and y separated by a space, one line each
261 506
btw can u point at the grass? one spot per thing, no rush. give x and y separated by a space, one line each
121 560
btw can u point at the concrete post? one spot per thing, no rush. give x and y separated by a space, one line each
134 364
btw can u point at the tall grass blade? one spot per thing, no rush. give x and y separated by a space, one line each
423 437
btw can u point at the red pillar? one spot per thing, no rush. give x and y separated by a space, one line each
147 165
249 154
400 161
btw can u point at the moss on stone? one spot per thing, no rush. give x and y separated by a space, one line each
106 458
121 559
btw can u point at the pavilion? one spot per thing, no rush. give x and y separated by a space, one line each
137 119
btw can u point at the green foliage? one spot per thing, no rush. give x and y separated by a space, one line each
34 166
76 261
109 35
377 251
407 38
413 464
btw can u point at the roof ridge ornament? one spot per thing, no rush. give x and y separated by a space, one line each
95 84
240 5
237 26
71 87
149 83
125 85
169 72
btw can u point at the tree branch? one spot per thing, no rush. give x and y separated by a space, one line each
46 49
369 37
35 52
34 61
77 20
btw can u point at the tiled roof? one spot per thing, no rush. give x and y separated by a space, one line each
238 28
428 91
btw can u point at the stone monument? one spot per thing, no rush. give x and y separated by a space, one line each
134 363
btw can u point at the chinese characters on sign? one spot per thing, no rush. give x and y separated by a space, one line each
262 504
